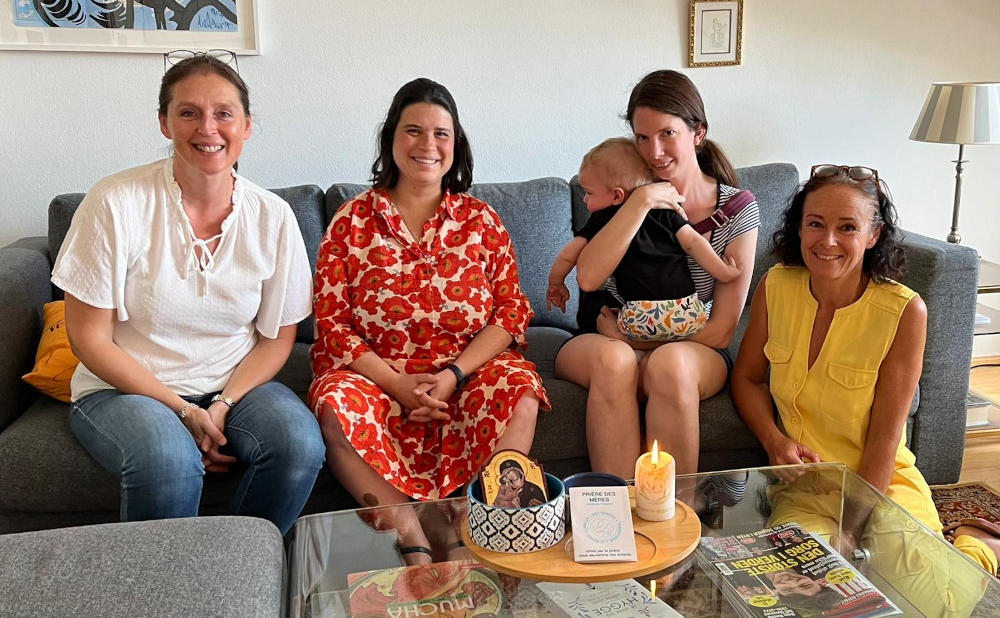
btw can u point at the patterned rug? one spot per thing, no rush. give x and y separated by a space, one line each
954 502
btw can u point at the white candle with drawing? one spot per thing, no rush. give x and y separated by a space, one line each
654 485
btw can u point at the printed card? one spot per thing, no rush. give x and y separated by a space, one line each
602 524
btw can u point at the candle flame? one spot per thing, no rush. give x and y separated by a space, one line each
652 587
656 453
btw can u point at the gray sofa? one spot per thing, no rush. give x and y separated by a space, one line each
47 480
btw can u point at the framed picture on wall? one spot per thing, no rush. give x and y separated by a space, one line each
129 26
716 36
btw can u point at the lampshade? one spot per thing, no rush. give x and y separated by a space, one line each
960 113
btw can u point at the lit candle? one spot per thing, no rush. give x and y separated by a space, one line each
654 485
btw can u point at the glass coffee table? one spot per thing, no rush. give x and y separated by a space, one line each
918 570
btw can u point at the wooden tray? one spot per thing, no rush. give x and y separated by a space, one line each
659 544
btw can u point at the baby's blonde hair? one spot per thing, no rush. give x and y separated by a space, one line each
621 163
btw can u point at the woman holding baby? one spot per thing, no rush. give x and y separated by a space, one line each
667 116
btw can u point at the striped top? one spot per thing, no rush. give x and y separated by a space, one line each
747 219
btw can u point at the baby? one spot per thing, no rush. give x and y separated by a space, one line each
651 286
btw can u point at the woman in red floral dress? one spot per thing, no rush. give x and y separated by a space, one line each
419 312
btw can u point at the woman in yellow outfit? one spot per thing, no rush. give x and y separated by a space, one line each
844 344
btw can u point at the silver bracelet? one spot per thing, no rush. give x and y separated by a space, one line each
183 412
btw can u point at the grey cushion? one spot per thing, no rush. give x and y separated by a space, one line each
66 478
24 280
307 204
338 194
221 566
534 213
61 211
773 185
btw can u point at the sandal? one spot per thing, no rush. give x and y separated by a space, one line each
973 522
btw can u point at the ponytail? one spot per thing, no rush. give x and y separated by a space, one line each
714 162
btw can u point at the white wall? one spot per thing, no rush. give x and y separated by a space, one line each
538 83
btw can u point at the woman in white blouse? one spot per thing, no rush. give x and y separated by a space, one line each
184 283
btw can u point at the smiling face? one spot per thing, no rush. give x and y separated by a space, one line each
666 143
837 227
423 145
208 125
790 582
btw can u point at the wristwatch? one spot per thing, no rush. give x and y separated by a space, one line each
224 399
460 378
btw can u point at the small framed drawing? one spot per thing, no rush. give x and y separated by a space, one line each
129 26
511 479
716 36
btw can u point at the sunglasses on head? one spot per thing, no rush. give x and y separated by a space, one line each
222 55
857 173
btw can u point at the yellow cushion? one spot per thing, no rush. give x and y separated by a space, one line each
54 362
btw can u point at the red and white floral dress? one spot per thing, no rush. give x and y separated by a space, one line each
417 305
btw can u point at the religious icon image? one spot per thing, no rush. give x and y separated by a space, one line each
511 479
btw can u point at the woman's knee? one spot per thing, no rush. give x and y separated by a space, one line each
668 372
332 432
526 409
277 421
614 362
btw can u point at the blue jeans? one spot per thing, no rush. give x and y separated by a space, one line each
145 445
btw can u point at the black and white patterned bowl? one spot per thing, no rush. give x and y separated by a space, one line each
517 531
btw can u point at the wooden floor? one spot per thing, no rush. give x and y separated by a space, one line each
982 448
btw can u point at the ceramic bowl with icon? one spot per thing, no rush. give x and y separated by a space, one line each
518 530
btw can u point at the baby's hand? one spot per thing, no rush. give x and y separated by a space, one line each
732 269
556 296
663 196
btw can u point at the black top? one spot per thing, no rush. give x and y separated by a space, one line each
654 266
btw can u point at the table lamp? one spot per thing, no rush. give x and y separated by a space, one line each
959 113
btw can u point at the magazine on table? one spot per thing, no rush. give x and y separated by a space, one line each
784 572
456 588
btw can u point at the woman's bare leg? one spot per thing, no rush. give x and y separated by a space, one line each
676 377
369 488
520 431
608 368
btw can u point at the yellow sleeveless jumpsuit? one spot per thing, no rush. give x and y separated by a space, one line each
827 407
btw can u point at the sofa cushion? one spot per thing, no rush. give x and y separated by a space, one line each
773 185
222 566
45 468
61 211
24 280
54 361
307 204
536 216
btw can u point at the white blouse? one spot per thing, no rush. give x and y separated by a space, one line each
187 315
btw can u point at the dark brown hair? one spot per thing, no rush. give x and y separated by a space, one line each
200 64
385 172
670 92
884 261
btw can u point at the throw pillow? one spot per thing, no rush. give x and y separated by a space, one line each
54 362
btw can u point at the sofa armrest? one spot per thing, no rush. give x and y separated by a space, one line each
24 288
945 276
